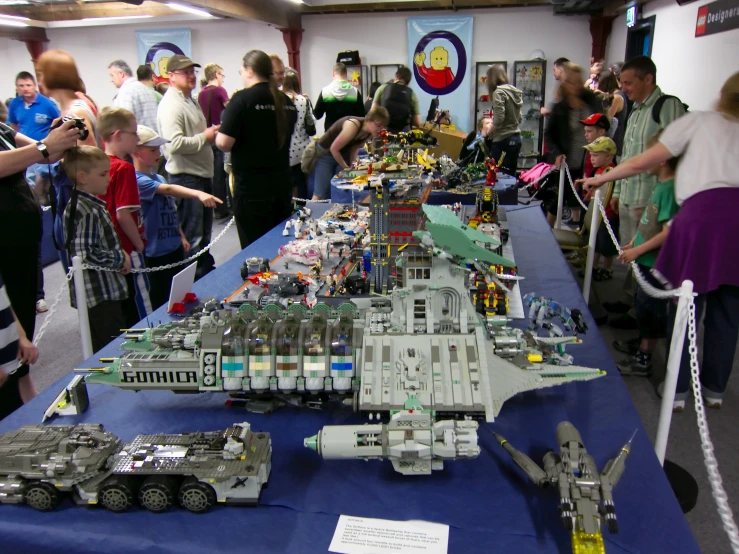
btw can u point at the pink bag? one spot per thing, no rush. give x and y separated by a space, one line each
535 174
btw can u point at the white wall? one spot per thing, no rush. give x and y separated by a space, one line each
693 68
499 34
93 48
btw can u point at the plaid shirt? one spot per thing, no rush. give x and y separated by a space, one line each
97 243
139 99
640 127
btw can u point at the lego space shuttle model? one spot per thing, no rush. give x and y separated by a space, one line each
586 495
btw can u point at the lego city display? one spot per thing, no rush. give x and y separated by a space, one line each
586 494
41 465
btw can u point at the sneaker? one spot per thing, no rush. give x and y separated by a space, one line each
630 347
616 307
602 274
42 306
677 405
631 367
624 321
711 401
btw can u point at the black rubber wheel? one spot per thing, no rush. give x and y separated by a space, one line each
42 496
118 493
159 493
196 496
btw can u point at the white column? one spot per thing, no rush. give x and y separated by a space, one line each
560 194
594 224
81 297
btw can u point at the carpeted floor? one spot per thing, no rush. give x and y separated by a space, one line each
60 352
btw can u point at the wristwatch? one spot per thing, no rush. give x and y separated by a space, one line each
41 147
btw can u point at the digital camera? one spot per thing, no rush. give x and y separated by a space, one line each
78 122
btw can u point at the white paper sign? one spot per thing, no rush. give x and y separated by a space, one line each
363 535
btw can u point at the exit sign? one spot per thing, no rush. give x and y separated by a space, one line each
631 16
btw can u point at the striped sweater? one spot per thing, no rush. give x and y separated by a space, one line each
8 334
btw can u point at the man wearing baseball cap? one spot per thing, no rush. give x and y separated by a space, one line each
189 154
165 241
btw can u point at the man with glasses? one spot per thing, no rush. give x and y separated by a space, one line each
132 95
188 153
213 99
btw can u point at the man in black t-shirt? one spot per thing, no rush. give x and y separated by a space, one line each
260 159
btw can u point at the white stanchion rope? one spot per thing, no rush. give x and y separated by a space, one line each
572 186
714 476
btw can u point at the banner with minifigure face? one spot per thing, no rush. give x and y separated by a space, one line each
440 55
156 46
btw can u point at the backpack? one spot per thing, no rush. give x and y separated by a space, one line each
308 120
657 108
396 99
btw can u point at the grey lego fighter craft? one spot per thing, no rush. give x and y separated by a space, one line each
586 494
40 465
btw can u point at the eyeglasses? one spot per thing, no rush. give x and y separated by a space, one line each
186 72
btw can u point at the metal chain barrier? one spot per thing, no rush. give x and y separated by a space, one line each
168 266
47 320
572 185
714 477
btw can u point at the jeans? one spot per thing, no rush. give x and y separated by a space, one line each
196 220
220 183
512 148
326 168
160 282
720 329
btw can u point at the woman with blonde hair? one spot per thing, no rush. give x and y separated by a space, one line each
58 78
507 101
701 245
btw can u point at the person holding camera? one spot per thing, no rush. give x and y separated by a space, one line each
20 229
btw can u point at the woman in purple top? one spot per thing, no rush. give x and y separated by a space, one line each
702 243
213 99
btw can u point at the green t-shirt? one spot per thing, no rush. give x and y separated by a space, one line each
661 209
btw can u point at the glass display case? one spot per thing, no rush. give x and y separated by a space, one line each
530 78
384 72
358 76
483 102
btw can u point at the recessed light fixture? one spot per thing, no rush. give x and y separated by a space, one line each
188 9
115 17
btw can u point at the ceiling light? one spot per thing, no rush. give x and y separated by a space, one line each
13 23
189 9
115 17
17 17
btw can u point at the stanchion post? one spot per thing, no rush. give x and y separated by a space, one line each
673 369
81 298
594 224
560 195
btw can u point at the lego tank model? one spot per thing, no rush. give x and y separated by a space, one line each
421 351
40 465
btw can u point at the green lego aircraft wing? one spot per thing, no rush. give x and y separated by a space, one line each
442 216
457 243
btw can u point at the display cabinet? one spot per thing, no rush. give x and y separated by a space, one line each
384 72
483 102
358 75
530 78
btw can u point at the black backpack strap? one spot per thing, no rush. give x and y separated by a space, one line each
657 108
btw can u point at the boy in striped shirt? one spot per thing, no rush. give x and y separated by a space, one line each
90 234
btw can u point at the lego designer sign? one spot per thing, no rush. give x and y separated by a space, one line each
716 17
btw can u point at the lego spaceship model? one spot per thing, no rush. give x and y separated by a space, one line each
586 494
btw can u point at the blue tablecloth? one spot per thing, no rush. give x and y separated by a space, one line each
488 502
506 188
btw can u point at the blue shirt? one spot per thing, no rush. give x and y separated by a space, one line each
162 227
33 120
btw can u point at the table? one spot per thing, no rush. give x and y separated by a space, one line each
506 188
488 502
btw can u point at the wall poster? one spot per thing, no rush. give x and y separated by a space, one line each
440 54
717 17
156 46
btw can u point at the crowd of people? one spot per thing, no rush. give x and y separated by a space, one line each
140 181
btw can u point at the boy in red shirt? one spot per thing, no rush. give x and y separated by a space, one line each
602 151
117 129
